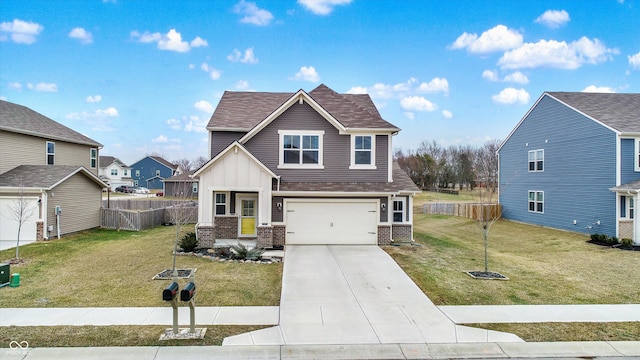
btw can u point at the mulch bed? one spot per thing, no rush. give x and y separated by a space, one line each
615 246
486 275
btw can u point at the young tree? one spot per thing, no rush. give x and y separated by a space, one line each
180 214
21 211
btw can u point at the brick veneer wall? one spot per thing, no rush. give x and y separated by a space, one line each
226 227
205 236
39 230
384 234
279 233
401 232
265 236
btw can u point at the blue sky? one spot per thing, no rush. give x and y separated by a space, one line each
144 76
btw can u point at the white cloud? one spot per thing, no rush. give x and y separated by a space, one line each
94 99
248 58
43 87
553 18
109 112
357 90
598 89
499 38
174 124
511 96
307 73
435 85
634 61
557 54
198 42
447 114
242 85
81 34
195 125
252 14
15 86
20 32
417 103
322 7
214 73
160 139
490 75
517 77
171 41
204 106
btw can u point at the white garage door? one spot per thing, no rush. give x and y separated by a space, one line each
9 225
332 222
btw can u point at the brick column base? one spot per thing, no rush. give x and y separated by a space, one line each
39 230
279 234
384 234
205 234
265 236
401 232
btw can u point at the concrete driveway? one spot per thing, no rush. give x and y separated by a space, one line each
356 295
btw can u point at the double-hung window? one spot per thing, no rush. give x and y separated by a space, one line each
221 204
363 152
93 157
51 153
194 188
300 149
637 155
398 210
536 201
627 207
114 172
536 160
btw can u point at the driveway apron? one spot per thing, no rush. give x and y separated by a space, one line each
356 295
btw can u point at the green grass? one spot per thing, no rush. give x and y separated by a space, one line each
115 268
549 332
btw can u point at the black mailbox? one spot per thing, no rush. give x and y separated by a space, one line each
187 293
170 292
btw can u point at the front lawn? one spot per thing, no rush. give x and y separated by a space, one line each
115 268
544 266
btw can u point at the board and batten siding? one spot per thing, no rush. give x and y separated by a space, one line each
221 139
33 151
336 149
628 157
80 200
579 170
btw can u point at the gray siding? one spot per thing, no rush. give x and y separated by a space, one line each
221 139
628 159
579 169
180 189
18 149
80 200
336 149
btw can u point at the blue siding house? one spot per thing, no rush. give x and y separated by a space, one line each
573 163
150 171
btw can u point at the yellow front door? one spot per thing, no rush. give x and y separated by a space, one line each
247 217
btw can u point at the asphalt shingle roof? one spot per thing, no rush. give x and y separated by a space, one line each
20 119
108 160
619 111
164 162
37 176
245 110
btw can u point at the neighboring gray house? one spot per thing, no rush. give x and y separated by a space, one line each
302 168
573 163
114 172
56 167
182 186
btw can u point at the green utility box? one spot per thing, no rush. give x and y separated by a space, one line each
4 274
15 280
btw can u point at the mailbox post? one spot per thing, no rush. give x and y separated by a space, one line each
188 294
171 294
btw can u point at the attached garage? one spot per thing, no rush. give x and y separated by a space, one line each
9 224
331 221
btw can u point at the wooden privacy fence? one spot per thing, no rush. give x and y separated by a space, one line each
144 204
468 210
136 220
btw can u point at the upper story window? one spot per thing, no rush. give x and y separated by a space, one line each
536 160
195 187
363 152
51 152
627 207
125 172
137 173
221 204
536 201
93 157
398 210
157 172
114 172
300 149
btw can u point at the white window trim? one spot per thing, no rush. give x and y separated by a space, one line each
137 173
93 160
353 153
282 165
404 210
46 149
216 203
111 173
636 156
535 201
627 207
194 188
535 160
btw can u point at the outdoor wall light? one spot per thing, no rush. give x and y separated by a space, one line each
383 206
279 206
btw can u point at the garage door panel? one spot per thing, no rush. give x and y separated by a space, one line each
9 224
331 223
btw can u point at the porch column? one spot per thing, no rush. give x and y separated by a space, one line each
636 220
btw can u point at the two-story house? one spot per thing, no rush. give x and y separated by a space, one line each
181 185
573 163
302 168
50 168
114 172
151 170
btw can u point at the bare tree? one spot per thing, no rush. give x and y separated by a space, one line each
21 211
185 164
199 161
180 214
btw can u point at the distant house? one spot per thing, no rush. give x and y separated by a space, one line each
573 163
182 185
114 172
52 166
302 168
151 170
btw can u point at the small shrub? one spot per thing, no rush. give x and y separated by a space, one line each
189 242
242 253
613 240
626 242
223 252
595 237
